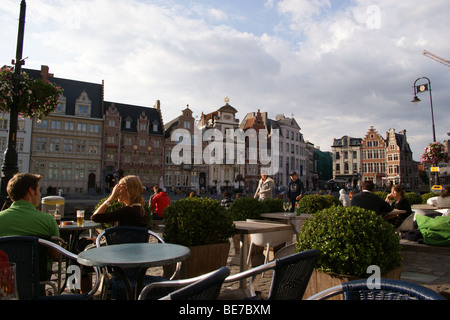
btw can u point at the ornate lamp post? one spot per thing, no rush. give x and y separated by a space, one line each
423 88
10 159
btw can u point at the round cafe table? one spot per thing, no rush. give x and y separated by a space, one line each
134 255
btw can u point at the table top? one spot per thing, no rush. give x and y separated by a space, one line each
285 215
427 207
88 224
131 255
248 227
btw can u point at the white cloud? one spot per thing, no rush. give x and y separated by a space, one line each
322 61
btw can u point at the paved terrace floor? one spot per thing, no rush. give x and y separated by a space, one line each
422 264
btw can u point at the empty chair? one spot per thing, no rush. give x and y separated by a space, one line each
269 240
290 278
25 252
207 288
389 289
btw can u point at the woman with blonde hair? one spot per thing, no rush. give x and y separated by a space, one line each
129 192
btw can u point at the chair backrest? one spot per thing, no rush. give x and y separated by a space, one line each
291 275
126 234
207 288
389 290
24 252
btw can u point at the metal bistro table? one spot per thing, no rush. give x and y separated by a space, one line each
289 218
244 228
75 231
134 255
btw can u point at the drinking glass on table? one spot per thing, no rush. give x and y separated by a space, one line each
8 287
80 217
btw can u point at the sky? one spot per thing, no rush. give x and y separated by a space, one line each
337 67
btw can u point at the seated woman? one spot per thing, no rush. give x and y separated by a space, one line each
400 202
129 192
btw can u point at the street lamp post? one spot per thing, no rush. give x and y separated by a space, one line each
423 88
10 158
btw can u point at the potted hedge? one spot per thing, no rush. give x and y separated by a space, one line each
205 227
350 240
313 203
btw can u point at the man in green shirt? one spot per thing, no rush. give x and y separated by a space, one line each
22 218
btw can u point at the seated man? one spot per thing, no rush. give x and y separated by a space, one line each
370 201
22 218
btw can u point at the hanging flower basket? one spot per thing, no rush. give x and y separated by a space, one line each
434 154
37 98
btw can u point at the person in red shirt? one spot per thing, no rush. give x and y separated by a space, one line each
159 203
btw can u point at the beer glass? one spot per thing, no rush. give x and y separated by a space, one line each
80 217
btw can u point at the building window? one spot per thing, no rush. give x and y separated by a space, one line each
54 145
79 171
41 144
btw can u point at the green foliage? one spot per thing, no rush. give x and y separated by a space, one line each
313 203
413 198
248 208
332 200
274 205
197 221
381 194
428 195
350 239
117 205
37 98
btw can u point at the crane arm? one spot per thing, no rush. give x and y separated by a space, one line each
436 58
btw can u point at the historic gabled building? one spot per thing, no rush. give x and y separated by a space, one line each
66 145
185 168
223 166
400 167
373 152
133 143
252 173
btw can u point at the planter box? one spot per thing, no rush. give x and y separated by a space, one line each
320 281
203 259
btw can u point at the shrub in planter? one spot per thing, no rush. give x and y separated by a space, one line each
350 239
428 195
381 194
332 200
197 221
247 208
204 226
312 203
413 198
274 205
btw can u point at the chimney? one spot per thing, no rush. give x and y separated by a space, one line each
44 73
157 105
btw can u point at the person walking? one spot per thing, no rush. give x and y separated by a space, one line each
265 187
295 189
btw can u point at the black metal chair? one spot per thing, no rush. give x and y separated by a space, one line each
25 252
207 288
290 278
120 235
388 289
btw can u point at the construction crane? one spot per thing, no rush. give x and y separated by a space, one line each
436 58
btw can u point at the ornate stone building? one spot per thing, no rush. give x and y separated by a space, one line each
374 158
133 143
